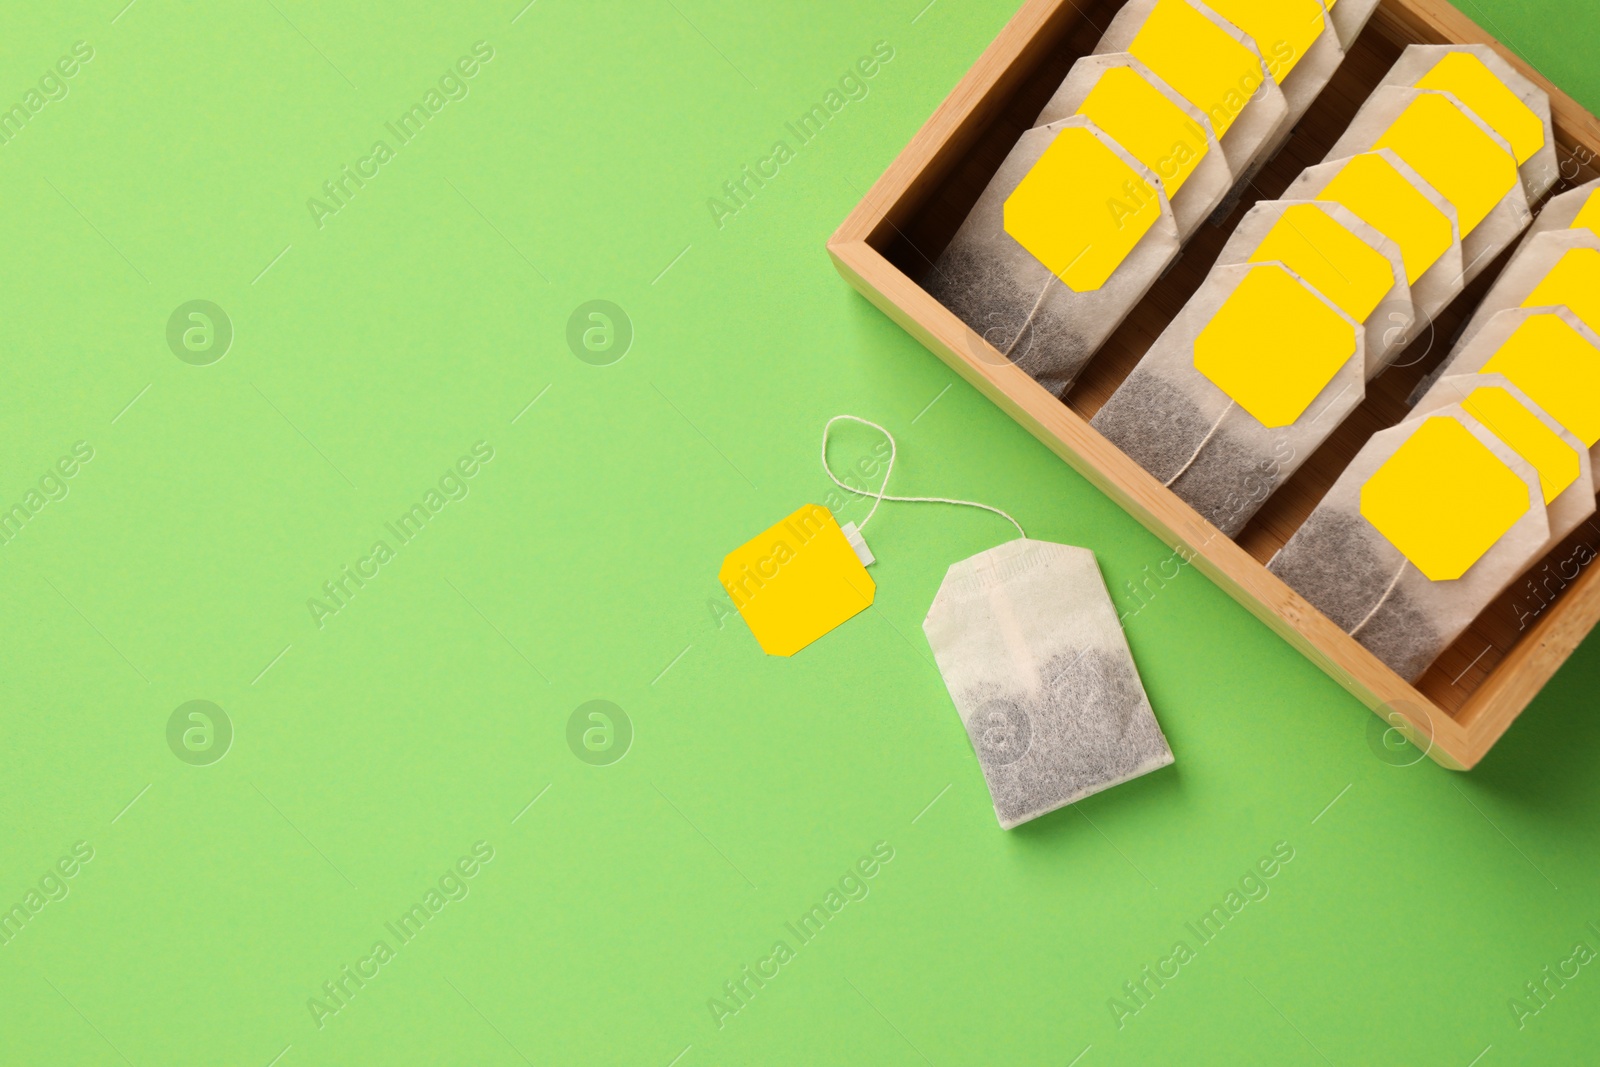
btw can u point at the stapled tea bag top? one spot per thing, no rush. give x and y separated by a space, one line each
1426 526
1247 381
1557 268
1357 268
1170 136
1299 43
1383 191
1456 152
1514 107
1551 356
1213 64
1068 236
1558 457
1036 662
1575 209
1349 18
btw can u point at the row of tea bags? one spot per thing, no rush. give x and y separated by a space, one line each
1428 524
1435 517
1316 294
1179 105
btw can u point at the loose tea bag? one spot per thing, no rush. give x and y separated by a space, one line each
1557 267
1032 652
1158 127
1426 526
1245 383
1212 64
1456 152
1549 354
1514 107
1566 476
1068 236
1299 43
1384 192
1036 662
1357 268
1575 209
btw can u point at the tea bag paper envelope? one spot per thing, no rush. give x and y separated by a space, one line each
1212 64
1514 107
797 581
1454 151
1575 209
1566 476
1034 657
1349 18
1557 267
1551 356
1383 191
1068 236
1426 526
1170 136
1254 373
1299 43
1357 268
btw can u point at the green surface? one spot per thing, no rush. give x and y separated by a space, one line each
371 753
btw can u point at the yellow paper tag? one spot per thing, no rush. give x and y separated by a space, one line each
1443 499
1575 282
1559 370
1081 209
1589 215
1284 30
1381 197
1153 129
1198 58
1454 155
1529 437
1337 263
1475 85
797 581
1273 346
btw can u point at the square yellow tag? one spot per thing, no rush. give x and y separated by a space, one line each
797 581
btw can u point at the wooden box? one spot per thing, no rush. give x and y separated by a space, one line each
1472 693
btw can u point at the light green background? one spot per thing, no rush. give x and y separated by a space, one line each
425 716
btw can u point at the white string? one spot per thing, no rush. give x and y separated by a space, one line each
1384 599
880 496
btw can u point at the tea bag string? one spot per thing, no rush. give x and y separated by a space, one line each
1201 447
880 496
1382 600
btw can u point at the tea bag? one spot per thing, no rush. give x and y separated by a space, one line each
1430 522
1384 192
1159 128
1456 152
1551 356
1557 267
1575 209
1034 657
1566 475
1349 18
1252 376
1066 239
1299 43
1213 64
1512 106
1357 268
